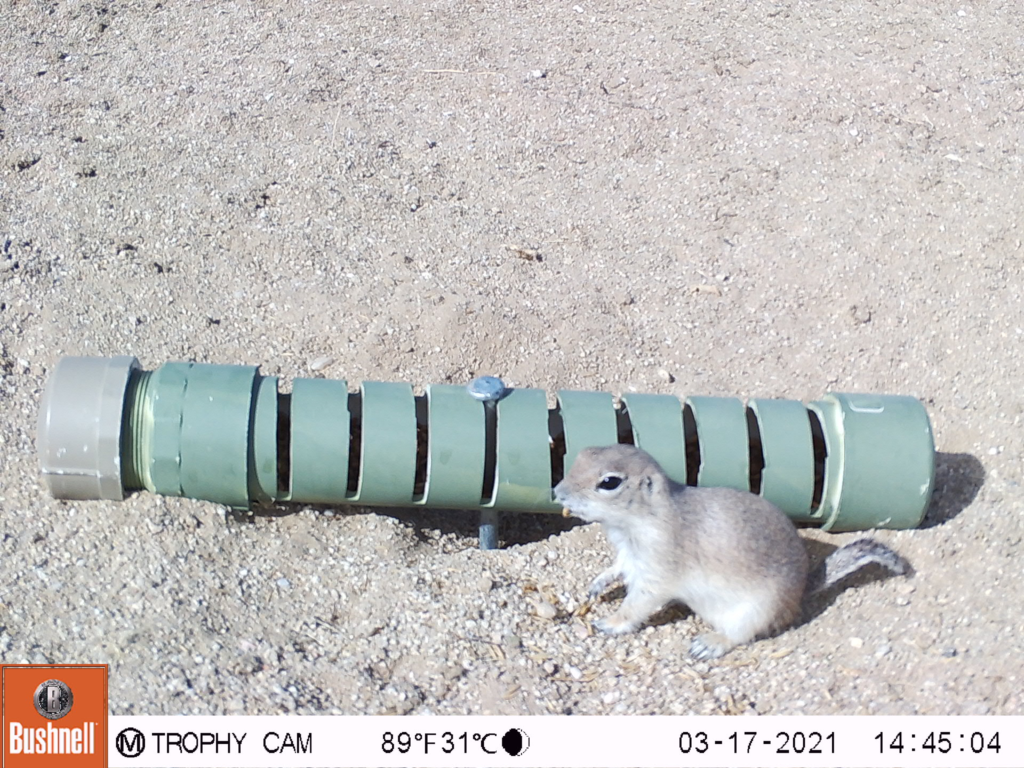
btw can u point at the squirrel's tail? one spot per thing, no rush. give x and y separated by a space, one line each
852 557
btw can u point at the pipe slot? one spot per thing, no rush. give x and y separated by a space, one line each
489 487
284 444
556 439
419 485
756 451
623 424
820 455
692 443
251 474
355 443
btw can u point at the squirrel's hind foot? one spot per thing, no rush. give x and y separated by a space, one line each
710 645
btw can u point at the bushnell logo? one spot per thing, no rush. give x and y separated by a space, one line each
53 699
53 715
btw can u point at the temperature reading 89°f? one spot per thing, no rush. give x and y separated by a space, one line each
428 743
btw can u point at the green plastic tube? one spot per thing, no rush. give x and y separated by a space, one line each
225 433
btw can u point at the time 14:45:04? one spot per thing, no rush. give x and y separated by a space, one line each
938 741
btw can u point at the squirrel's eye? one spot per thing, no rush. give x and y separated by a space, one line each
609 483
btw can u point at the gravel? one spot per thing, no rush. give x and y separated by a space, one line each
762 199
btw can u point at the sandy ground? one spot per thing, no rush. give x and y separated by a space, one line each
771 199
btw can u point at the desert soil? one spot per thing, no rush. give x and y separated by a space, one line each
770 199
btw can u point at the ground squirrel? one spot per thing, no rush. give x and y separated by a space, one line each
733 557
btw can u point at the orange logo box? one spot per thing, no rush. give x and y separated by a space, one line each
53 715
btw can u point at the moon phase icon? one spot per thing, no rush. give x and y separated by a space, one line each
515 741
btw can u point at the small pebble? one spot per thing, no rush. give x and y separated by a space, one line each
545 610
320 363
856 642
283 583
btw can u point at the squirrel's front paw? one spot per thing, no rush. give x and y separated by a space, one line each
595 590
602 582
616 625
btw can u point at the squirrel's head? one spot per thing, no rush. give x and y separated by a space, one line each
612 482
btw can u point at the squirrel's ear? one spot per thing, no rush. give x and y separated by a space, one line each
654 484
